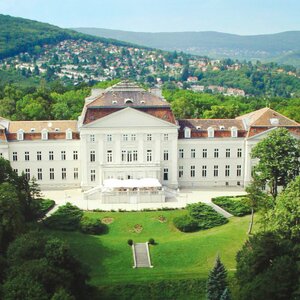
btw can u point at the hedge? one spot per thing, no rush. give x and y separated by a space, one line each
200 216
92 226
237 206
67 217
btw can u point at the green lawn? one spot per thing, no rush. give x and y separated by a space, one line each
177 255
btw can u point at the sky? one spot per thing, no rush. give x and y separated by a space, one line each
244 17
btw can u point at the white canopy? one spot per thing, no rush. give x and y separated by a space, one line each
131 183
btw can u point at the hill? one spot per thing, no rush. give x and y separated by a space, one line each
22 35
214 44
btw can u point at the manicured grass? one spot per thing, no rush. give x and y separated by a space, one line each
177 255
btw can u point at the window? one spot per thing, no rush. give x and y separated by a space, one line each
16 171
193 153
216 153
166 155
75 155
51 156
75 173
26 155
39 155
129 155
238 170
125 137
39 174
135 156
109 156
239 152
123 158
92 138
133 137
204 153
93 175
180 153
69 134
166 137
20 135
216 171
234 132
92 155
51 173
149 155
210 132
149 137
63 155
166 174
193 171
15 156
109 138
187 132
1 154
227 170
63 173
44 134
227 153
27 174
180 172
238 183
204 171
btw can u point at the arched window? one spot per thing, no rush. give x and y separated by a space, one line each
128 101
187 133
20 135
234 132
210 132
44 134
68 134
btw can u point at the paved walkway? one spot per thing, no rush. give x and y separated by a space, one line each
141 255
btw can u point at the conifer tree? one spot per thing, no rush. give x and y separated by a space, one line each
225 295
216 284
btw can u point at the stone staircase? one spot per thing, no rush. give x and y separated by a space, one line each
141 255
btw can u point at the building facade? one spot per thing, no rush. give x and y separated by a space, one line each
125 132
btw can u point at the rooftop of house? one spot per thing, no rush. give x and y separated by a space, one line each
127 94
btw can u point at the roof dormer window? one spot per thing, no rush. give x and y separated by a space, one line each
222 127
274 121
187 133
20 135
68 134
114 102
210 132
128 101
56 129
44 134
234 132
198 127
32 129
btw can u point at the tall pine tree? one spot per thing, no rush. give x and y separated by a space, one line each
216 284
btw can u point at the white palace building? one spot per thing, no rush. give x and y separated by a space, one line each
127 140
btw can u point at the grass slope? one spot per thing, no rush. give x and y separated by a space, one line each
177 255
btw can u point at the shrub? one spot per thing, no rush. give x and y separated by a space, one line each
237 206
151 241
205 216
130 242
42 206
67 217
92 226
185 223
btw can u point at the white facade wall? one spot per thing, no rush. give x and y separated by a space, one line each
205 173
58 163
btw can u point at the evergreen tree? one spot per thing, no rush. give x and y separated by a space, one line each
216 284
225 295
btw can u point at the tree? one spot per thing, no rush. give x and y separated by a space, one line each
11 219
267 268
216 284
254 199
284 218
279 159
